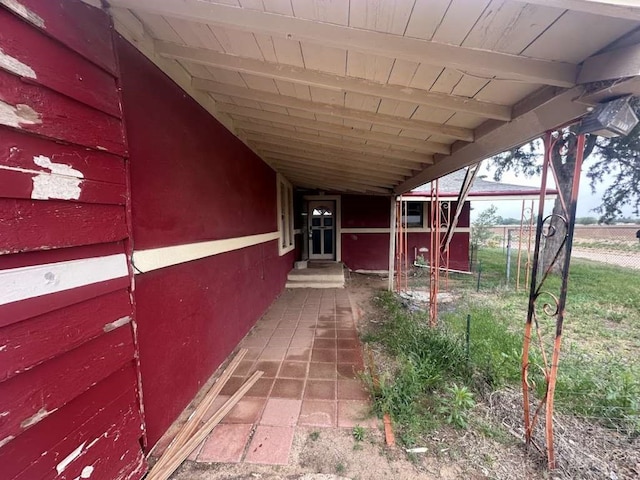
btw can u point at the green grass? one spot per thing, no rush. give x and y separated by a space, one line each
599 374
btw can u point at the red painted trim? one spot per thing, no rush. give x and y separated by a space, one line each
17 149
90 35
27 344
56 382
61 117
57 67
70 422
39 225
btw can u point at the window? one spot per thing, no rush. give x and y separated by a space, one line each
413 214
285 215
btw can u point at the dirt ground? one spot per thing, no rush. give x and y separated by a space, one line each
621 259
491 448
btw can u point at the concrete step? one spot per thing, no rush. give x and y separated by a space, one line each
294 275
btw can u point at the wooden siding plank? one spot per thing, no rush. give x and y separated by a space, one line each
39 60
381 15
36 225
40 110
18 149
37 393
66 423
91 32
45 186
27 344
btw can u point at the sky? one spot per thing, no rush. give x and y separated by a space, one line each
587 200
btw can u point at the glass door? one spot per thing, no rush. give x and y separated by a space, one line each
321 230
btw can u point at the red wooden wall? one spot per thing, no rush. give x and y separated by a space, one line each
370 251
68 376
192 181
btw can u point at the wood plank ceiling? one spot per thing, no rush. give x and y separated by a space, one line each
379 96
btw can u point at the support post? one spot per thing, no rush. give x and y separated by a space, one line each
392 241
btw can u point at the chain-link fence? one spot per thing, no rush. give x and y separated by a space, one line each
610 244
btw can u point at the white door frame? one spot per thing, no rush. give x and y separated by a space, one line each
337 221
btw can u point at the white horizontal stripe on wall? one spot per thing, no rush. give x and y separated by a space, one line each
37 280
410 230
155 258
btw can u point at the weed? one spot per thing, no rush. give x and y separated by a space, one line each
456 404
340 468
315 435
359 433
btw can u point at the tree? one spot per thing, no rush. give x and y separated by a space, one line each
619 157
481 228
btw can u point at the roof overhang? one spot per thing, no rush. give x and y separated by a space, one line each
381 96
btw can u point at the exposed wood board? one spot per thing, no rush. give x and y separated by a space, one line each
363 135
396 108
314 151
324 95
623 62
627 9
301 113
260 83
335 82
430 114
304 182
288 52
505 92
370 67
446 81
243 102
311 157
588 33
425 76
336 111
330 119
324 182
330 35
547 109
402 157
387 130
268 50
338 171
294 90
195 34
402 72
380 187
226 76
315 158
132 29
356 124
273 108
331 11
508 26
158 27
324 59
461 16
283 7
237 42
465 120
409 134
353 178
380 15
469 86
359 101
196 70
426 16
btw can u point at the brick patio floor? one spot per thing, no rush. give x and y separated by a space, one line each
307 346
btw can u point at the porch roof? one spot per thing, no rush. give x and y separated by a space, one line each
380 96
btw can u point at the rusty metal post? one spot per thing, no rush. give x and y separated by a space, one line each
555 305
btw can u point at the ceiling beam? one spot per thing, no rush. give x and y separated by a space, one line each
377 43
365 161
343 151
395 141
338 169
336 182
545 110
316 78
347 144
334 173
318 107
620 63
627 9
237 110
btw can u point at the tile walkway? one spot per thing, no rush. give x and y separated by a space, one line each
307 346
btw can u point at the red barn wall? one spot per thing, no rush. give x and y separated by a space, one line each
68 376
193 181
362 250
